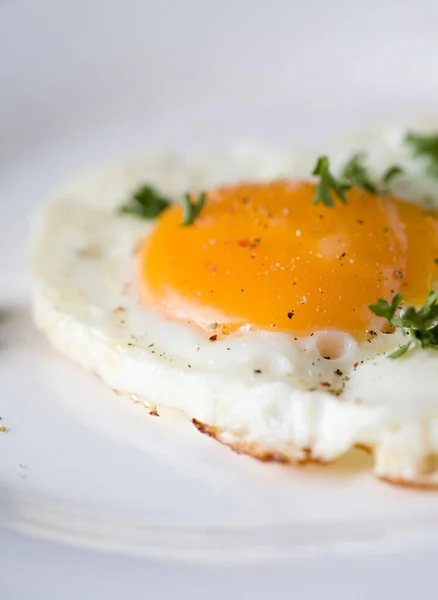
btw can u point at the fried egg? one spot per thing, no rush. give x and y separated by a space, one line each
254 320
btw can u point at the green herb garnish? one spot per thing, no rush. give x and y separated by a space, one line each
146 202
328 184
389 175
425 146
192 209
356 174
421 323
384 309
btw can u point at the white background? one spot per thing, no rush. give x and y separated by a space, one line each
128 75
37 571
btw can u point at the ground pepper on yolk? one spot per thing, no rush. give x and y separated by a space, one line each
264 255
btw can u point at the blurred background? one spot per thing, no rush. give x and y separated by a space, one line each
199 73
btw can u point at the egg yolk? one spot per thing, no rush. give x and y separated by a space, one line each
264 255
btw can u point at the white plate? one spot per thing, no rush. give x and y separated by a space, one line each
92 81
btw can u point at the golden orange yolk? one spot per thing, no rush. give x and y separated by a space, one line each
263 254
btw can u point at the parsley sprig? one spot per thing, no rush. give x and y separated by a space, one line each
388 176
425 146
192 209
146 202
328 185
356 174
421 323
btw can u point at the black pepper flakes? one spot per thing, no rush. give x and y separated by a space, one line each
213 338
290 314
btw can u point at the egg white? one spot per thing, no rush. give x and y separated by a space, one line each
260 392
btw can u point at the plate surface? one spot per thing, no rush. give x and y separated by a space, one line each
93 82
